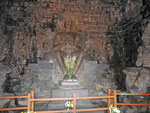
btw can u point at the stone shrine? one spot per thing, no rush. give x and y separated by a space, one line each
69 55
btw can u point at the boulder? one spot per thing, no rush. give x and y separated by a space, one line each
137 79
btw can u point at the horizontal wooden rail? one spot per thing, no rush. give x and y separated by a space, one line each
78 110
130 94
18 108
12 97
77 98
51 99
132 104
86 98
144 94
94 109
58 111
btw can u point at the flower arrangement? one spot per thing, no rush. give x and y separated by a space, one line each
69 105
28 112
114 109
70 65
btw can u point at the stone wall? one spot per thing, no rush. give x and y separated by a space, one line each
125 37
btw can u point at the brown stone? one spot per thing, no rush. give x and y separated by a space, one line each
2 57
131 71
138 83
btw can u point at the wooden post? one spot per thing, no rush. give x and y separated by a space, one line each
32 103
115 98
29 103
74 102
109 99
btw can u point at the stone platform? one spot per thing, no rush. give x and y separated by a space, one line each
71 84
66 90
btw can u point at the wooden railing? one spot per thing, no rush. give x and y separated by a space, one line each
111 99
13 97
132 104
74 110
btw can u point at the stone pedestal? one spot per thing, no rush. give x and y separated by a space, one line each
71 84
66 90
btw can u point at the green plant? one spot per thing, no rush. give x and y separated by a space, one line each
70 65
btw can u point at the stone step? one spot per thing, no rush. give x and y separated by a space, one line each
46 66
33 66
65 93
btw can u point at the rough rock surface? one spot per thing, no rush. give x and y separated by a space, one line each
103 79
139 81
3 71
144 50
138 78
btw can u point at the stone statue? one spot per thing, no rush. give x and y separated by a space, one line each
68 43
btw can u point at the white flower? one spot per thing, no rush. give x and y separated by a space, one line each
72 105
116 110
67 59
70 59
69 105
65 104
71 66
74 58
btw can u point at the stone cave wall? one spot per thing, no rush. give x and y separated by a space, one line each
27 28
125 37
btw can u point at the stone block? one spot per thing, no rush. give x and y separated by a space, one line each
89 71
67 93
45 65
131 71
137 82
146 60
42 78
